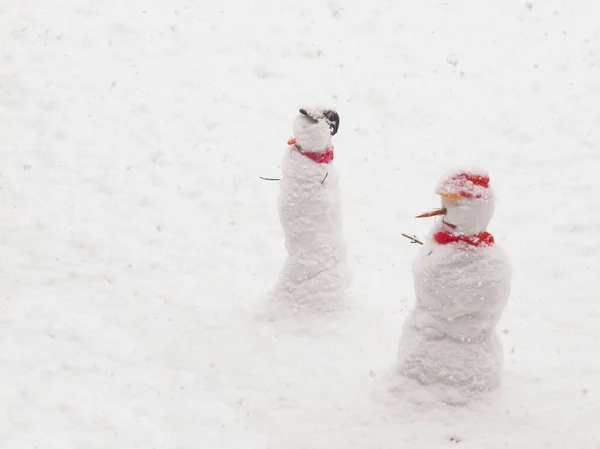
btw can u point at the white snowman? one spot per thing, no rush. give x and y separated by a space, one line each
315 276
462 284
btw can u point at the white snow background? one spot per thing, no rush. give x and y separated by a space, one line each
137 242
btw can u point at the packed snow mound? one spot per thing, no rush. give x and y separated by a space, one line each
449 338
315 275
464 291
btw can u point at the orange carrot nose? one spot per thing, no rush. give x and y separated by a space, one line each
432 213
292 141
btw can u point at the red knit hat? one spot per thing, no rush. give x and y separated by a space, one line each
464 184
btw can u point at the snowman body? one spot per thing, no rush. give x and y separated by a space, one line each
449 337
462 284
315 275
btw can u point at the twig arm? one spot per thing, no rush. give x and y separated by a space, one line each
412 238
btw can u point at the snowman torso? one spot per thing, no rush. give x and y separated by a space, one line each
449 339
309 203
460 290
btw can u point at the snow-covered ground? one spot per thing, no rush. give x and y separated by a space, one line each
137 242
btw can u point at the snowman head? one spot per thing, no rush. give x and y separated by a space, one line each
313 129
468 201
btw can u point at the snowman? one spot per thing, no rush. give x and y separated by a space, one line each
462 283
315 276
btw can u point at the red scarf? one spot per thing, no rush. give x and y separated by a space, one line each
483 238
320 158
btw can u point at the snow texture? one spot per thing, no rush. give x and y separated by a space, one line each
315 275
311 136
137 241
449 339
468 216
